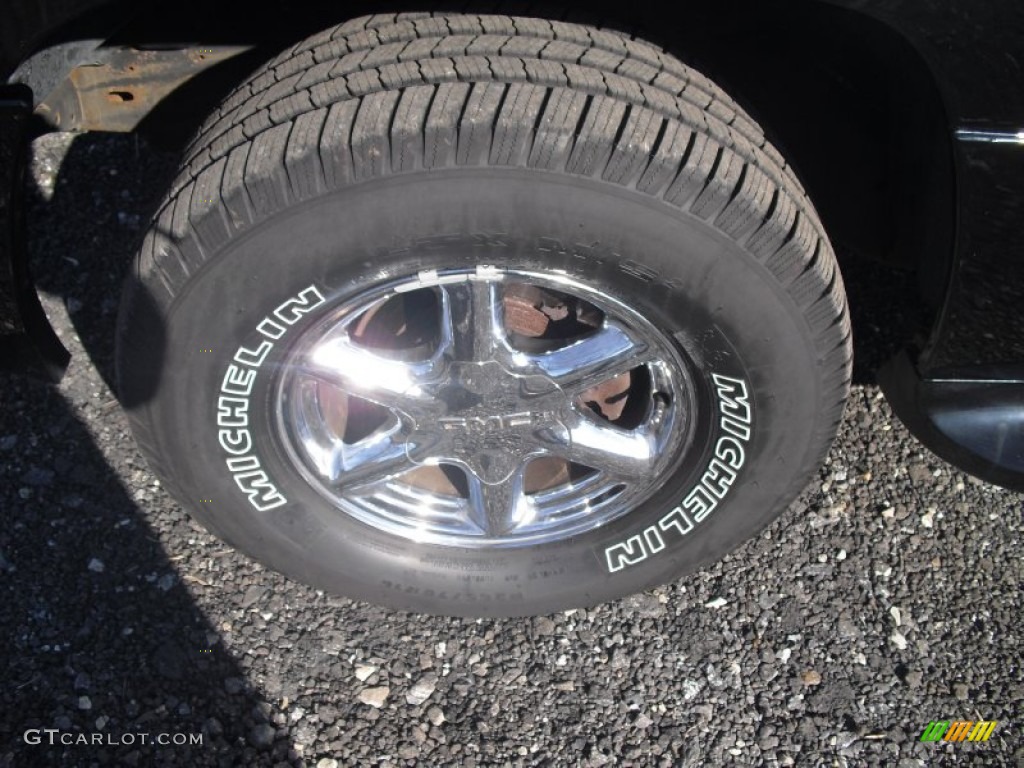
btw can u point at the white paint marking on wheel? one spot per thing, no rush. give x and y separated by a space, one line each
487 272
428 278
233 403
714 485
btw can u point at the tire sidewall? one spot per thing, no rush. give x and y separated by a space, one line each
726 312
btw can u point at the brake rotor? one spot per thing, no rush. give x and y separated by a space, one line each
523 314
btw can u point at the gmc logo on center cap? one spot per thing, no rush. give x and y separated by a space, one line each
490 423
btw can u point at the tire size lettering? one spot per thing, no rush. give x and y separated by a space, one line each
233 402
715 482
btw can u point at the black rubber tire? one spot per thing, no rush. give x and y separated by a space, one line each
391 144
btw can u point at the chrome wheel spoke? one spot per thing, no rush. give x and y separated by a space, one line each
624 454
585 496
498 509
370 460
359 371
577 367
471 320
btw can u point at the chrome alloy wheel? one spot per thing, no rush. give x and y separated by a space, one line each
482 408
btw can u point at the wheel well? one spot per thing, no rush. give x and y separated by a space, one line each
851 104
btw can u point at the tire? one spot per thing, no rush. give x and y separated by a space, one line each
543 206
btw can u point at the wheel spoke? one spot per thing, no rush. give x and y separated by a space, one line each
577 367
625 454
583 497
472 324
376 457
500 508
359 371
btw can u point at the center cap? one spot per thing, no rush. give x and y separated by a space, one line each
490 420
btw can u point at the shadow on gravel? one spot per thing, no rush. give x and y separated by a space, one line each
94 199
101 640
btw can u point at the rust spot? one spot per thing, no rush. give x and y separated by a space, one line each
118 90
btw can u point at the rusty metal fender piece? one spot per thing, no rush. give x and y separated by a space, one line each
116 90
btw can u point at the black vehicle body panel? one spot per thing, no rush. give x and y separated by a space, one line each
26 339
959 385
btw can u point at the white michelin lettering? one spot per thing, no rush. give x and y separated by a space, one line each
232 411
295 308
270 328
732 397
261 492
233 401
719 477
243 463
253 359
655 541
730 451
677 519
235 441
716 480
628 552
700 502
735 428
238 381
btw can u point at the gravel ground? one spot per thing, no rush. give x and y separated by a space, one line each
886 597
